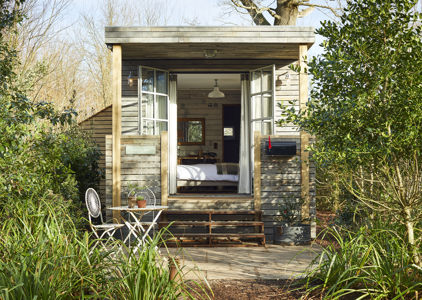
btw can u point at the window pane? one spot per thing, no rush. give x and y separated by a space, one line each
256 126
267 81
147 106
162 107
161 126
161 82
267 103
257 107
256 82
147 127
147 80
266 128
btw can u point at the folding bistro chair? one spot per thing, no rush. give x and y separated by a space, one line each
93 205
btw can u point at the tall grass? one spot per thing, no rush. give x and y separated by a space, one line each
367 264
145 274
44 256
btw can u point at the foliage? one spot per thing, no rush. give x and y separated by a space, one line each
290 212
146 275
42 255
366 107
370 263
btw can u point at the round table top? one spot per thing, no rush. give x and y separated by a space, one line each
135 208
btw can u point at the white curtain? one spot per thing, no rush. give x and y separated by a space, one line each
245 143
172 128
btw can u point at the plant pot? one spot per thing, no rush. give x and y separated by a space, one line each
131 201
141 203
291 235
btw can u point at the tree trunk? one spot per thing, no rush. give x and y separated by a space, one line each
288 12
411 237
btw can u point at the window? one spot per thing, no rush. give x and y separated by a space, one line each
154 99
262 100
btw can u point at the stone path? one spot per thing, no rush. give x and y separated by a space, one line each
270 262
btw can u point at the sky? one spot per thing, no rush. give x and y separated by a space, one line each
201 12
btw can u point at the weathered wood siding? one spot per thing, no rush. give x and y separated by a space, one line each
196 104
286 90
99 125
142 169
281 182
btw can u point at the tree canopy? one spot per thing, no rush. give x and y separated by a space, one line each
366 106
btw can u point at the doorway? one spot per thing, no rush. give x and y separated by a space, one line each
231 133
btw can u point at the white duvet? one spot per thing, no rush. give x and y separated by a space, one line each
203 172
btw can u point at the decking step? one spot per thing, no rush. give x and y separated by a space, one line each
215 225
212 211
212 223
222 235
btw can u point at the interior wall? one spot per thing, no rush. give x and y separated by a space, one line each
196 104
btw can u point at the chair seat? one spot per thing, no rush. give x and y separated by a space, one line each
110 225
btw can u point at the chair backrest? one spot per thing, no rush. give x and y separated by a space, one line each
93 203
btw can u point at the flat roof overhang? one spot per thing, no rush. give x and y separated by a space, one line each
187 43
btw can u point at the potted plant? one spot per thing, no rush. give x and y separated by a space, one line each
141 201
133 189
295 230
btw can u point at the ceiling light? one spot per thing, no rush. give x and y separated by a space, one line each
216 93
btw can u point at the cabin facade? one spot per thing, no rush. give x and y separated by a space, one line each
165 122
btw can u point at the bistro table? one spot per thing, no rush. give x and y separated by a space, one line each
139 229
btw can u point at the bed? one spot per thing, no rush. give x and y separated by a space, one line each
207 175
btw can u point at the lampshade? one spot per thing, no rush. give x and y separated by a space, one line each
216 93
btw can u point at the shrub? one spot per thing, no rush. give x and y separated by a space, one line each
370 263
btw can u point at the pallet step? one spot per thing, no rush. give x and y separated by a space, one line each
220 235
211 211
212 223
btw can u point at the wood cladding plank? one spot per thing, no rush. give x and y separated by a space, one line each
304 137
257 170
164 167
117 127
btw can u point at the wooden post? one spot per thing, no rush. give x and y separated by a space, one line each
116 126
304 137
164 167
257 171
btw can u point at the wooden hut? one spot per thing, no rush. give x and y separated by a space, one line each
171 118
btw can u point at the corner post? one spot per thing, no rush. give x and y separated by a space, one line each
116 126
257 171
304 137
164 167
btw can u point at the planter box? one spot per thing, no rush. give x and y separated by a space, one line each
292 235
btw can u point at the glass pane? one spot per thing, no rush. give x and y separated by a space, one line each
147 106
267 106
162 107
147 80
147 127
266 128
161 82
256 82
257 107
256 126
161 126
267 81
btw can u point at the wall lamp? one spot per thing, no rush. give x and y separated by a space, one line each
131 79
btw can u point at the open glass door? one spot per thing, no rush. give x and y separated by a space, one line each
262 100
158 112
262 105
153 101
